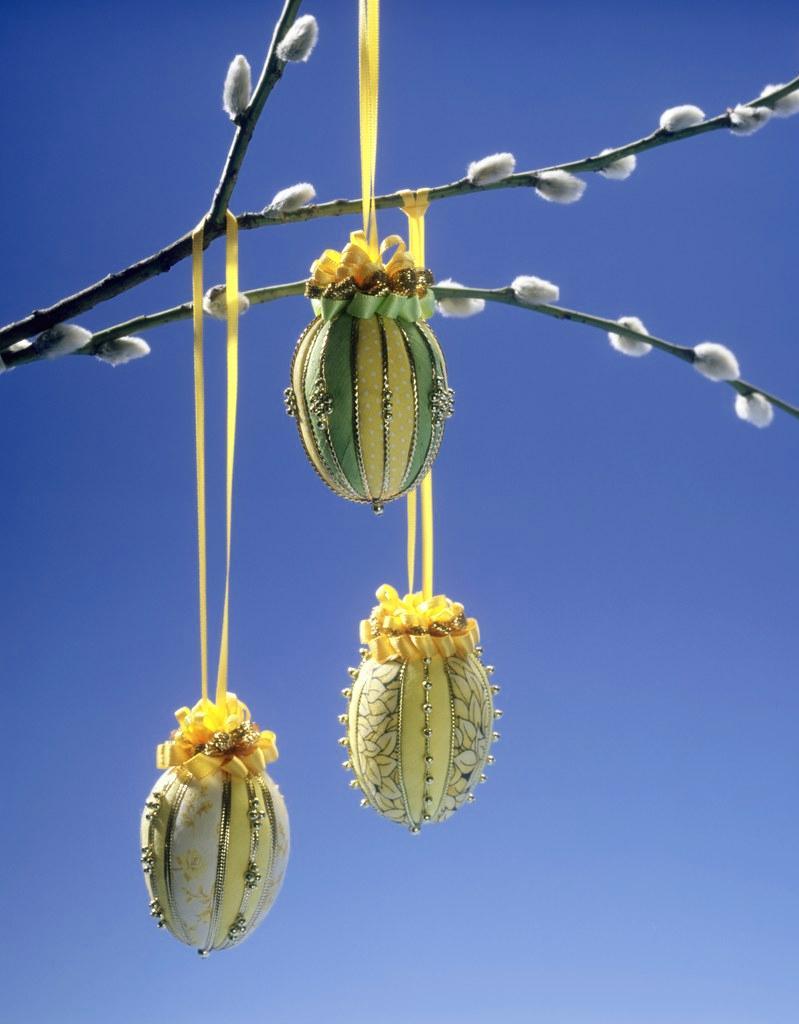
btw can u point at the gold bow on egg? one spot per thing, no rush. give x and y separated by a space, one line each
413 627
211 738
338 274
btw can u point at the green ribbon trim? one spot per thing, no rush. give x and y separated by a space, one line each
394 307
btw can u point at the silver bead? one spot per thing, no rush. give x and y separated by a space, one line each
490 759
153 805
498 713
364 802
414 830
427 708
345 718
496 736
495 689
252 876
354 784
428 780
428 759
471 798
490 670
344 742
478 650
347 766
426 817
203 953
484 778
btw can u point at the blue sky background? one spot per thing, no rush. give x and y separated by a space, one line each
628 546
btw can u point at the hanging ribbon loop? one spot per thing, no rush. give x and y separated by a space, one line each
199 444
232 300
414 206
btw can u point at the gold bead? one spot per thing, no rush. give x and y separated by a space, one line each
346 693
344 742
353 672
344 718
497 714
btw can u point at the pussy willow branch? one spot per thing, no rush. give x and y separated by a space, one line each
502 295
150 320
507 296
270 76
160 262
524 179
214 220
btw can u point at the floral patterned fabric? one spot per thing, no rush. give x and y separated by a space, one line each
214 852
419 735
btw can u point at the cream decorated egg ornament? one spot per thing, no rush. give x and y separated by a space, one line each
214 831
420 710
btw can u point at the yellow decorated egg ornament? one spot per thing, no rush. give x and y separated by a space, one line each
420 710
214 830
369 386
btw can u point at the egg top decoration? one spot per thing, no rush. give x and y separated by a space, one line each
369 384
420 709
214 830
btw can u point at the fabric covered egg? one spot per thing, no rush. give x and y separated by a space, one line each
214 831
369 384
420 713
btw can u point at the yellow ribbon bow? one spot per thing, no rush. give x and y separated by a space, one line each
416 627
355 262
212 738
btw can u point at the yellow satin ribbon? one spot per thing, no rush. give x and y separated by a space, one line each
355 260
416 627
368 77
414 611
216 735
232 300
199 445
414 206
427 535
238 747
411 546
